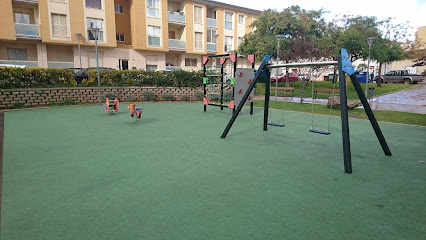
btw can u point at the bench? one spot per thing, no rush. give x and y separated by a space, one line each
324 91
283 90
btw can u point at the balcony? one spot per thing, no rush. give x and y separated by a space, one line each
177 45
211 47
52 64
27 31
20 63
177 18
26 1
211 23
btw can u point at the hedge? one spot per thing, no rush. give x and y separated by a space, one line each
49 77
35 77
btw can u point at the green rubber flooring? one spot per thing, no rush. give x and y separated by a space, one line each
79 173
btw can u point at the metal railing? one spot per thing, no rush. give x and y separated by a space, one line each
51 64
20 63
27 30
177 17
211 22
177 44
211 47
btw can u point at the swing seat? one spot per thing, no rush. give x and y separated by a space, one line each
319 131
276 125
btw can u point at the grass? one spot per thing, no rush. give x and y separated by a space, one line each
385 116
351 93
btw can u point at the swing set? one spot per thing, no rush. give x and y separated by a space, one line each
344 65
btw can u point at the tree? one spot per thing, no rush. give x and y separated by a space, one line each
300 30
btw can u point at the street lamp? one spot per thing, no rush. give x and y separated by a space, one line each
370 42
95 34
278 37
79 50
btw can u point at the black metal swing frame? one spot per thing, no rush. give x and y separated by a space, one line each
345 67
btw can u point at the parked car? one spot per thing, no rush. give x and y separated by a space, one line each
400 76
292 77
81 73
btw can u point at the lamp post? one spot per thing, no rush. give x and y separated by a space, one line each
79 50
370 42
278 37
95 32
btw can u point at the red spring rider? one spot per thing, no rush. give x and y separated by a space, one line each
111 106
133 109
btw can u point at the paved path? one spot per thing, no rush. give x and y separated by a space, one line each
410 100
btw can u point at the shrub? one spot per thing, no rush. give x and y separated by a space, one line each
198 96
167 97
50 77
18 105
35 77
148 96
184 97
110 95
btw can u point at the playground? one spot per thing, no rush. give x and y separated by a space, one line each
82 173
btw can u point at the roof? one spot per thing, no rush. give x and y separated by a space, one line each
229 6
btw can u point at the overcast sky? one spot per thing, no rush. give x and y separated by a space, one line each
413 11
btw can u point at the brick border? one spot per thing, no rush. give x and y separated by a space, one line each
39 97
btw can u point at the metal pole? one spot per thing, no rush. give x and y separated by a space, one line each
369 41
79 50
344 119
97 68
278 37
368 74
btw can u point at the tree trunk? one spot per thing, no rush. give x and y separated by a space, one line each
379 78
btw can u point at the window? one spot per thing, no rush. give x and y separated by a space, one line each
240 40
22 18
118 8
95 23
120 37
228 43
94 4
228 20
198 40
190 62
198 15
241 19
211 36
17 54
59 25
151 67
172 35
153 8
153 36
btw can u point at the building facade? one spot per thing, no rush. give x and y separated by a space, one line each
132 34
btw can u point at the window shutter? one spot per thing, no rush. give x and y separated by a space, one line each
198 40
59 25
198 15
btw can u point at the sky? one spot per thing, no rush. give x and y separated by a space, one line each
413 11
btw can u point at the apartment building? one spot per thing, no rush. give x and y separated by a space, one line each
132 34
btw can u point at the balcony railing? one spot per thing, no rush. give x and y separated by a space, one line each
51 64
27 31
211 22
177 18
20 63
153 41
177 45
26 1
211 47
